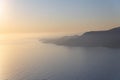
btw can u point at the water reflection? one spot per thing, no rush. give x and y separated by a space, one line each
28 59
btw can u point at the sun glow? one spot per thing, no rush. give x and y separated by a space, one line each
3 12
2 4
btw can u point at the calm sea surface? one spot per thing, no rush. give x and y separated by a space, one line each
29 59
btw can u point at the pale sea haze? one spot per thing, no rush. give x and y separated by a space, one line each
26 58
24 23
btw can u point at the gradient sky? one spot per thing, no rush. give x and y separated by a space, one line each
66 16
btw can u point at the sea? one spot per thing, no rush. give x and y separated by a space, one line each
27 58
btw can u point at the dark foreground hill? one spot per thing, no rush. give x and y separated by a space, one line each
109 38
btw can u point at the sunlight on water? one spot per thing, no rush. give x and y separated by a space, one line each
3 60
24 57
18 52
9 45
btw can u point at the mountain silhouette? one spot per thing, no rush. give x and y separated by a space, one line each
109 38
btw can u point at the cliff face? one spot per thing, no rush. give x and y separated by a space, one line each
109 38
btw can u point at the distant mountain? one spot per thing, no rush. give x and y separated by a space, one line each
109 38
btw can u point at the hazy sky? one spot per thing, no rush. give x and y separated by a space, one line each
67 16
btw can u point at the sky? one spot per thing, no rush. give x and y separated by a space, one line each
58 16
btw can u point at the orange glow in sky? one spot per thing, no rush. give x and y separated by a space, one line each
45 16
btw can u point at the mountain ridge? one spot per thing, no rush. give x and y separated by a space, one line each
109 38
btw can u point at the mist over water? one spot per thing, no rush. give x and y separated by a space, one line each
29 59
